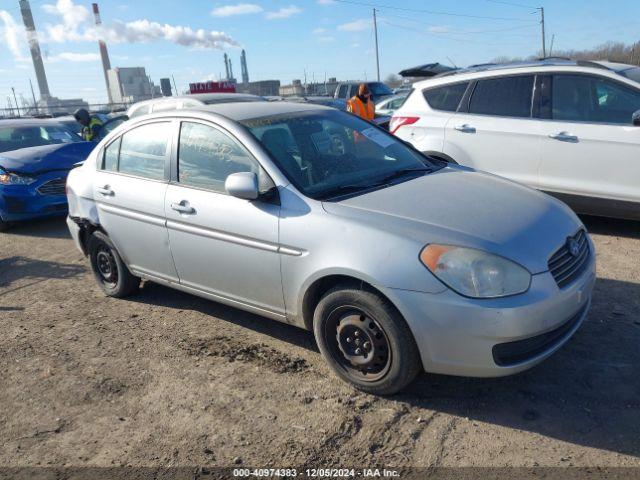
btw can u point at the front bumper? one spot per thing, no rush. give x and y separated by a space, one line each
24 202
463 336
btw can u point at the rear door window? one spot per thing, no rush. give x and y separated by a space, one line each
503 96
447 97
144 151
111 153
342 91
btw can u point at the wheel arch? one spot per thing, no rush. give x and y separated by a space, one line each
320 286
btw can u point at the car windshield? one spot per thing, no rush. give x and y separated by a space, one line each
25 136
328 154
379 89
73 125
632 73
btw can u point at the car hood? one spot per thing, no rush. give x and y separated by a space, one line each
36 160
460 206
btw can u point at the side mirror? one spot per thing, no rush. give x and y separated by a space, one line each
242 185
635 118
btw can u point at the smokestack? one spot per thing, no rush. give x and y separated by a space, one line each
226 65
243 67
34 46
106 63
230 70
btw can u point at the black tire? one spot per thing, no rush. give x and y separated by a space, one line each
391 360
111 273
4 226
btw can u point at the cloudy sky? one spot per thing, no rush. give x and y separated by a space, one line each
285 39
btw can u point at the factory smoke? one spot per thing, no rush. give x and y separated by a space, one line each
75 25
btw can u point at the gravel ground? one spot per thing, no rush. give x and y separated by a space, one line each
167 379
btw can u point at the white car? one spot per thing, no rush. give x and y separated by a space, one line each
570 128
390 104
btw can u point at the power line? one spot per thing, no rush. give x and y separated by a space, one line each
513 4
454 39
430 12
465 32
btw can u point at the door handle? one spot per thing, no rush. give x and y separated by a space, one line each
564 137
466 128
106 191
183 207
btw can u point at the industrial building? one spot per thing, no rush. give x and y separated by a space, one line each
129 85
263 87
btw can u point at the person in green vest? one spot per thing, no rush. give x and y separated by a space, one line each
90 124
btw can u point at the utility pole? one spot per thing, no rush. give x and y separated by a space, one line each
15 100
35 104
174 85
375 31
544 45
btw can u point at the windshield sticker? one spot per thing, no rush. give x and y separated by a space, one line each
378 137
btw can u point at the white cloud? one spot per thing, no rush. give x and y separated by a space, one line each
326 39
70 13
239 9
74 57
356 25
325 2
13 36
284 12
438 29
319 31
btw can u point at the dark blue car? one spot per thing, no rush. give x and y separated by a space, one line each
35 159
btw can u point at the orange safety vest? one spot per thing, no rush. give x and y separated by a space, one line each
357 107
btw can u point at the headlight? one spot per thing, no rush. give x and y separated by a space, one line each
475 273
7 178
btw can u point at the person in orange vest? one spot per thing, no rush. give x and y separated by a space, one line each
361 104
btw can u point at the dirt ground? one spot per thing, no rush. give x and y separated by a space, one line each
167 379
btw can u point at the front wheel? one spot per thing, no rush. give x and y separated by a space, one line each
112 274
366 341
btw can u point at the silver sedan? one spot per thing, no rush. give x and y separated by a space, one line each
304 214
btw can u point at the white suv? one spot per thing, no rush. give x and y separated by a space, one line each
570 128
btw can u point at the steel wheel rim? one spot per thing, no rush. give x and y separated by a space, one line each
358 343
106 265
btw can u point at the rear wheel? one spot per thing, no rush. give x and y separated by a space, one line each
366 341
108 268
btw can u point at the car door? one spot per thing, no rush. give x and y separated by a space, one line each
222 245
495 129
129 190
591 148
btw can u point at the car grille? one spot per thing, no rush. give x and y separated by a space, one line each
52 187
512 353
566 266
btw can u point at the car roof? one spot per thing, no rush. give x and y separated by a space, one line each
239 111
28 122
205 97
544 64
541 62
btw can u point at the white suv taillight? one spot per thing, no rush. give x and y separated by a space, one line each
397 122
